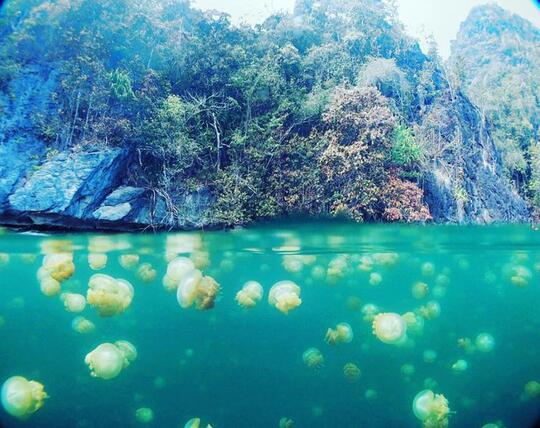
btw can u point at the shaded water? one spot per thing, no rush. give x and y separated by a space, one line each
236 367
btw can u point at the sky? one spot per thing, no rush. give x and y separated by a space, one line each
421 17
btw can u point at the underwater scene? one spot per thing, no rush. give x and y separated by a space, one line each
283 325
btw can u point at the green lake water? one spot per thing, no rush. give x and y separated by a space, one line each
235 367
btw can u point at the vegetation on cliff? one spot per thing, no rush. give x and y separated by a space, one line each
320 111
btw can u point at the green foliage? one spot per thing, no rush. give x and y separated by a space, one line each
267 118
121 85
406 152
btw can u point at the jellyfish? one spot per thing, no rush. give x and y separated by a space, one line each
196 289
520 276
460 366
82 325
59 265
108 295
250 294
386 259
484 342
293 263
532 389
390 328
419 290
366 264
49 286
106 361
371 394
146 273
429 355
97 261
432 409
144 415
128 351
285 296
415 323
430 310
195 423
427 269
73 302
342 334
351 372
408 370
4 259
201 259
369 311
286 423
466 344
313 358
375 278
177 269
22 397
128 261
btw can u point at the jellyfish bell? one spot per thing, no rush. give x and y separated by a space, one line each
369 311
351 372
59 265
342 334
178 268
484 342
432 409
82 325
196 289
97 261
286 423
146 273
390 328
313 358
144 415
460 366
109 295
375 279
73 302
128 261
285 296
250 294
22 397
419 290
415 323
195 423
50 287
106 361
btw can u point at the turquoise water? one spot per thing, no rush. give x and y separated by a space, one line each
235 367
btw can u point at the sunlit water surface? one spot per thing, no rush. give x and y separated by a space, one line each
235 367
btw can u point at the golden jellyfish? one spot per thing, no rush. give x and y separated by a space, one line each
366 264
386 259
73 302
286 423
430 310
250 294
313 358
390 328
146 273
407 370
201 259
82 325
195 423
108 295
293 263
460 366
49 286
351 372
415 323
520 276
532 389
4 259
59 265
177 269
128 261
432 409
375 279
22 397
419 290
369 311
196 289
429 355
427 269
106 361
285 296
371 394
128 351
466 344
484 342
97 261
144 415
343 333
